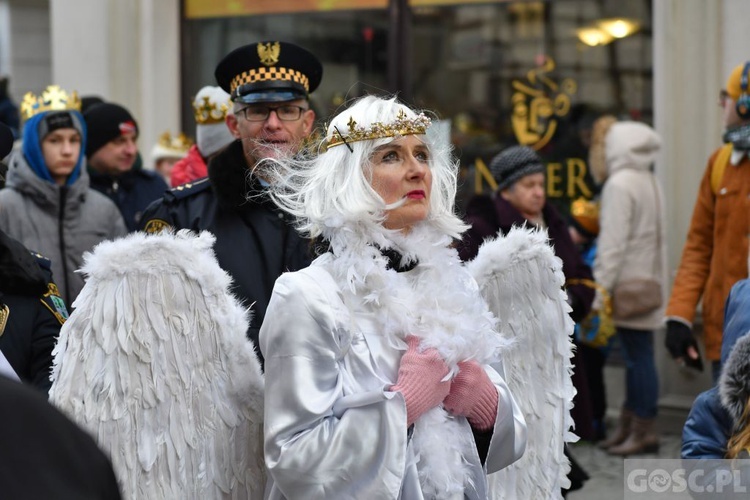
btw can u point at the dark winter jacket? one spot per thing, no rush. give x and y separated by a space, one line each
255 241
45 455
35 312
132 192
488 215
709 424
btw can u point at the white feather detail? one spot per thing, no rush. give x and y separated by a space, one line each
521 279
438 301
155 363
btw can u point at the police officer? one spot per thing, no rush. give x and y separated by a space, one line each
270 84
31 309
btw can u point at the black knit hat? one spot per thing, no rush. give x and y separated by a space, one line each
513 163
105 122
269 71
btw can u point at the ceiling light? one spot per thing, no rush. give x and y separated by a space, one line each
618 27
593 36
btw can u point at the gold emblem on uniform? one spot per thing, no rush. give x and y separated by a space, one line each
58 308
269 53
4 313
156 226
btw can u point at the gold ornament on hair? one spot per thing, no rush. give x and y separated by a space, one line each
401 126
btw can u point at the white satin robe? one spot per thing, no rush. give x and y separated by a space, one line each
332 428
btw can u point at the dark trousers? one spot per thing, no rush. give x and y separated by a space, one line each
593 360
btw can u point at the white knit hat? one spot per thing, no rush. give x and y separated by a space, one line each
211 105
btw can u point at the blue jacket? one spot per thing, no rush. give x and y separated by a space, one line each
709 425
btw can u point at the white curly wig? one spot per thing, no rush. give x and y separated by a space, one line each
332 190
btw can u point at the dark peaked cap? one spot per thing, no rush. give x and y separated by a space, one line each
269 71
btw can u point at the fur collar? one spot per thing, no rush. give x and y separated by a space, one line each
734 384
231 181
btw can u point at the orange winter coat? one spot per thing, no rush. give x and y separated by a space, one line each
715 255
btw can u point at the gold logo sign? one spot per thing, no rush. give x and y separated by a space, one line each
269 53
538 103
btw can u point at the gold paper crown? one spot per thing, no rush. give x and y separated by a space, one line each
399 127
179 143
209 113
53 98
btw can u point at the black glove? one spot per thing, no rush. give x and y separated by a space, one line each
679 339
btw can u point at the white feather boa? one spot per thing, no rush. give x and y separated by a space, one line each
440 303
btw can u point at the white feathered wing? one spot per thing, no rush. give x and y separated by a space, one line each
521 279
155 363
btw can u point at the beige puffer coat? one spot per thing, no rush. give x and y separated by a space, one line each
631 240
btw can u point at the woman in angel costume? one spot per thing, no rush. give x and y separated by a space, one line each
383 365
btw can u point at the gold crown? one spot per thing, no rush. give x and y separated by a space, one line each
209 113
399 127
179 143
53 98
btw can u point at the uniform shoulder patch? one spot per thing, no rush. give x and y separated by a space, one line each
52 301
190 188
154 226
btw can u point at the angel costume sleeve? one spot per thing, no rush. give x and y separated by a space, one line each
332 428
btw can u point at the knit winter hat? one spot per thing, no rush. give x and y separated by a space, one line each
513 163
210 106
105 122
733 87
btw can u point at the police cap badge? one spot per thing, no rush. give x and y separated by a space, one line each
269 71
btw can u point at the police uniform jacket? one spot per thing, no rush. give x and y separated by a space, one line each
31 312
132 192
255 241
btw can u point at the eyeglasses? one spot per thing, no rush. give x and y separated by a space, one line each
286 113
723 96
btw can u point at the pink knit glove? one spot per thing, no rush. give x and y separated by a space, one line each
420 379
473 395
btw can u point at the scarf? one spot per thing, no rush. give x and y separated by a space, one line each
739 137
436 300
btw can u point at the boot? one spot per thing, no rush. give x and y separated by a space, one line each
642 439
621 432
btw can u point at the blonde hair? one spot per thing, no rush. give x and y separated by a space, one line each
740 439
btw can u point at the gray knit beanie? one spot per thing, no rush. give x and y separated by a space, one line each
513 163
